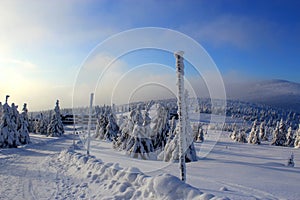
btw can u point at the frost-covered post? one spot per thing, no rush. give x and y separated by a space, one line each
89 124
181 112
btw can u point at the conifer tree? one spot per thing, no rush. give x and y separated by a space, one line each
242 137
15 124
125 130
107 127
24 133
297 139
112 128
290 140
279 138
56 128
139 143
254 135
160 127
42 125
291 162
262 132
234 134
8 128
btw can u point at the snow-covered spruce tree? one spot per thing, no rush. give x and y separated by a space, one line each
279 138
291 162
7 128
254 135
160 127
31 124
262 132
107 127
190 148
125 130
112 128
198 133
1 111
139 143
56 127
15 122
172 129
234 133
101 125
290 139
120 120
23 130
297 138
42 125
5 123
241 137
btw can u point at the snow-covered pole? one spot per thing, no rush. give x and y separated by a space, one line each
89 124
181 112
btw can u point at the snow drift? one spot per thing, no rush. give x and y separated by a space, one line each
110 181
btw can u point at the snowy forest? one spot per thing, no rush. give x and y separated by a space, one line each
146 129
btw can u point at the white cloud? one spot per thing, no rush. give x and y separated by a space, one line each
21 64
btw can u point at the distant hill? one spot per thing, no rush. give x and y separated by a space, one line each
279 93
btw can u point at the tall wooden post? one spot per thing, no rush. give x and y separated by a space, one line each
181 112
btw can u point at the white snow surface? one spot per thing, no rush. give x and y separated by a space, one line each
48 169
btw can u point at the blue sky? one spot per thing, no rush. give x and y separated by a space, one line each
43 43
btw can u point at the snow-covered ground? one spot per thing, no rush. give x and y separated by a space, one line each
45 170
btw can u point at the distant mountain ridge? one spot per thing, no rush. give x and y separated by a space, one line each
278 93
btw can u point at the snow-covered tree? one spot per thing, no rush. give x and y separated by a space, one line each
189 148
23 130
31 124
241 137
42 125
15 124
297 139
101 126
125 130
139 143
199 133
254 134
8 135
107 127
291 162
234 134
290 140
279 138
112 128
56 127
160 127
1 111
262 132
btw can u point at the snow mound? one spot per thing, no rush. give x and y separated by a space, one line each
110 181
